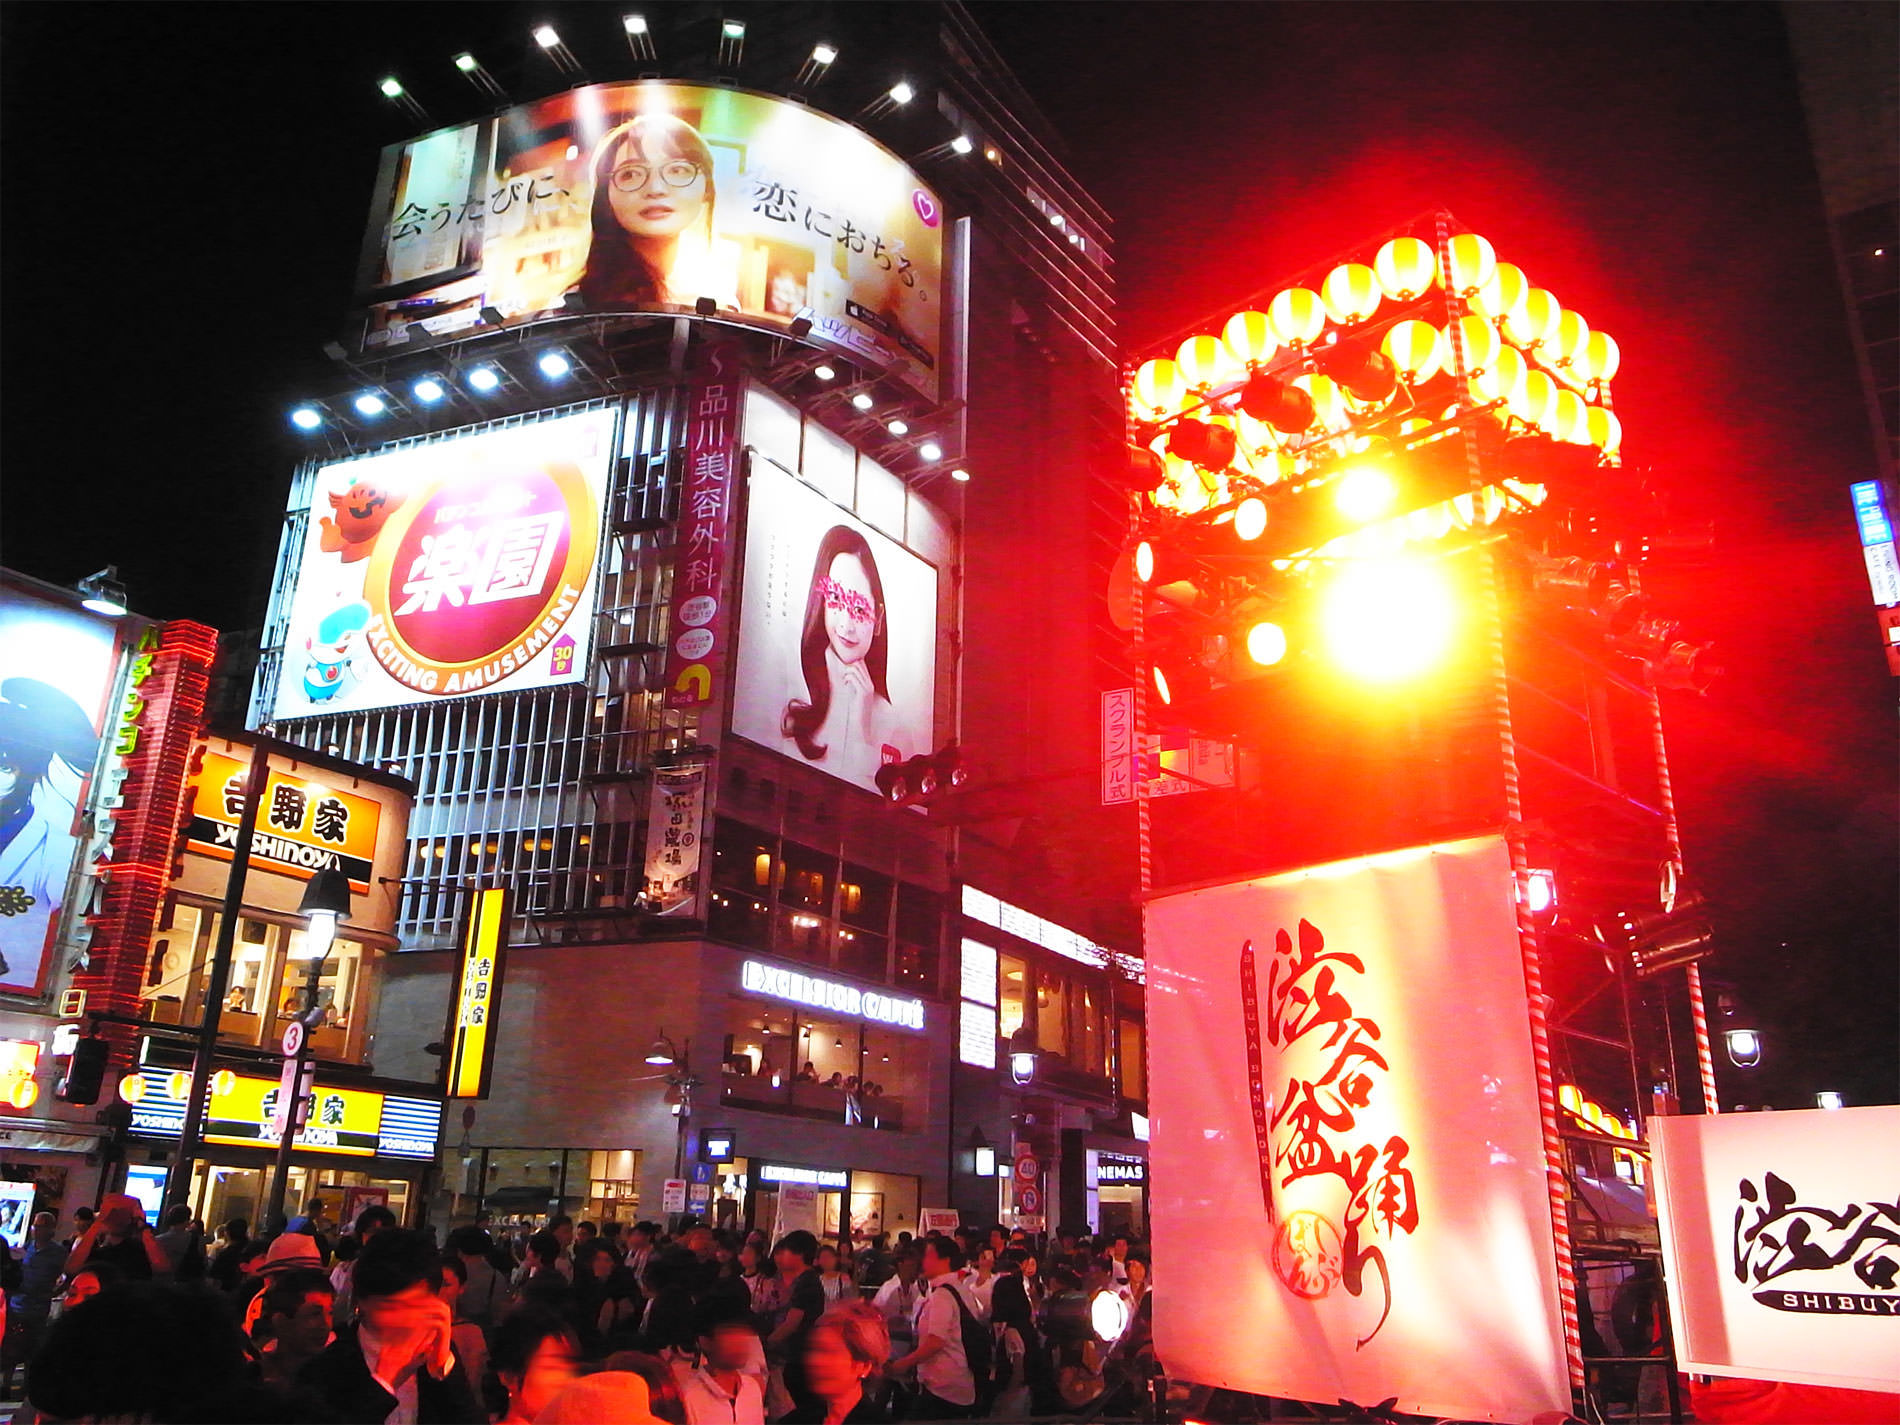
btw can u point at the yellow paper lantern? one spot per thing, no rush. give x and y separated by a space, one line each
1501 380
1601 357
1351 293
1503 295
1405 267
1536 323
1471 261
1249 338
1535 403
1573 334
1606 431
1572 424
1205 361
1413 347
1297 316
1329 402
223 1082
1160 387
1481 344
1254 436
1184 486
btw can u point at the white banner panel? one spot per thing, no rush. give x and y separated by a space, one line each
1781 1234
1346 1139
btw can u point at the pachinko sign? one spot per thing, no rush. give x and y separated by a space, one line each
1781 1237
1342 1080
439 570
655 196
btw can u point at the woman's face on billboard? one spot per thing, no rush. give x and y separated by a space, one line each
850 614
654 195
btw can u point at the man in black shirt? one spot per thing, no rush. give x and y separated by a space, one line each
804 1304
121 1237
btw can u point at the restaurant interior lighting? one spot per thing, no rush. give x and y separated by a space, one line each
428 390
370 404
102 593
862 401
483 378
554 364
930 450
306 418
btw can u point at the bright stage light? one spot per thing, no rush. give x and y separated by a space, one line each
1828 1098
825 373
369 404
733 29
902 93
930 450
428 390
898 427
1144 561
483 378
823 54
1266 643
1250 519
554 364
634 24
1388 619
1365 494
1162 690
547 36
961 144
961 476
391 87
306 418
1540 891
862 401
1744 1047
467 62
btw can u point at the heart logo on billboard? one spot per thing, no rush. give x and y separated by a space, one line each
926 207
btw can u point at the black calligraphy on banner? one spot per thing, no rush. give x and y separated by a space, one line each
1309 1132
1776 1237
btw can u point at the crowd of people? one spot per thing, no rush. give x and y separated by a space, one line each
566 1322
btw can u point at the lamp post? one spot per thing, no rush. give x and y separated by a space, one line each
1024 1053
326 900
681 1084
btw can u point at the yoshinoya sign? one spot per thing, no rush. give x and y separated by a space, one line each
794 986
1781 1237
447 568
304 825
362 1123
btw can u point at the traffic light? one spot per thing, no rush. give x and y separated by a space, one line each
921 779
85 1071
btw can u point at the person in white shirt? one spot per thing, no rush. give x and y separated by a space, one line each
898 1300
716 1387
946 1387
979 1281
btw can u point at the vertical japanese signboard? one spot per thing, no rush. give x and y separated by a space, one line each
1875 523
1118 746
675 817
471 1033
696 624
1343 1083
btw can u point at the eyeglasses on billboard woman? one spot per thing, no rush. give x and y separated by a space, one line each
39 725
846 722
651 220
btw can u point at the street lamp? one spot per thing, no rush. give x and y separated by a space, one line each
1023 1055
1744 1047
326 900
662 1052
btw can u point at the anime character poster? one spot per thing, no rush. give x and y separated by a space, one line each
837 635
654 195
57 666
1781 1243
454 567
1341 1080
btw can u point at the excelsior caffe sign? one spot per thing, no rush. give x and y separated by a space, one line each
757 977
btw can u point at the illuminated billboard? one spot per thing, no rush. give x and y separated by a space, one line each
57 667
837 635
304 825
455 567
651 196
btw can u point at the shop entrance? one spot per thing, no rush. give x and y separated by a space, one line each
220 1192
751 1194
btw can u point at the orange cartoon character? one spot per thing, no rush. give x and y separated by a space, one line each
360 513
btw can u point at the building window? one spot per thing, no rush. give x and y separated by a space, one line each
1014 973
1134 1064
833 1070
1052 1015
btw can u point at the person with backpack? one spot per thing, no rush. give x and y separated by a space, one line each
954 1348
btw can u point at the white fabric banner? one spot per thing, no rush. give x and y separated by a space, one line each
1347 1169
1781 1236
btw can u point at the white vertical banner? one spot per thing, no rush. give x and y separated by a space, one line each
1345 1136
676 814
1781 1239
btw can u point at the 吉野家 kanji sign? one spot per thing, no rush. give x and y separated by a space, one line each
303 826
471 1032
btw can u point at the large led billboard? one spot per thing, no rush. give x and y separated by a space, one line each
837 635
57 667
448 568
651 196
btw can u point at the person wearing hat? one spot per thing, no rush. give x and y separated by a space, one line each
288 1252
620 1397
47 748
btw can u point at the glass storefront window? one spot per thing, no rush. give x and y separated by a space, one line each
919 916
741 919
1090 1035
1052 1015
862 954
916 967
1133 1065
807 879
804 936
836 1070
1014 979
743 859
864 899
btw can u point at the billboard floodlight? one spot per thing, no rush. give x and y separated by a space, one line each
391 87
634 24
961 144
103 593
467 62
483 378
547 36
429 390
733 29
370 404
554 364
639 41
823 54
902 93
731 43
306 418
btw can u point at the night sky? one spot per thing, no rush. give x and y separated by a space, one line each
186 190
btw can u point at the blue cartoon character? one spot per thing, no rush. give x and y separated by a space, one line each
40 727
329 649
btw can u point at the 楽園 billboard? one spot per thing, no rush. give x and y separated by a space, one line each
652 196
837 635
57 666
448 568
